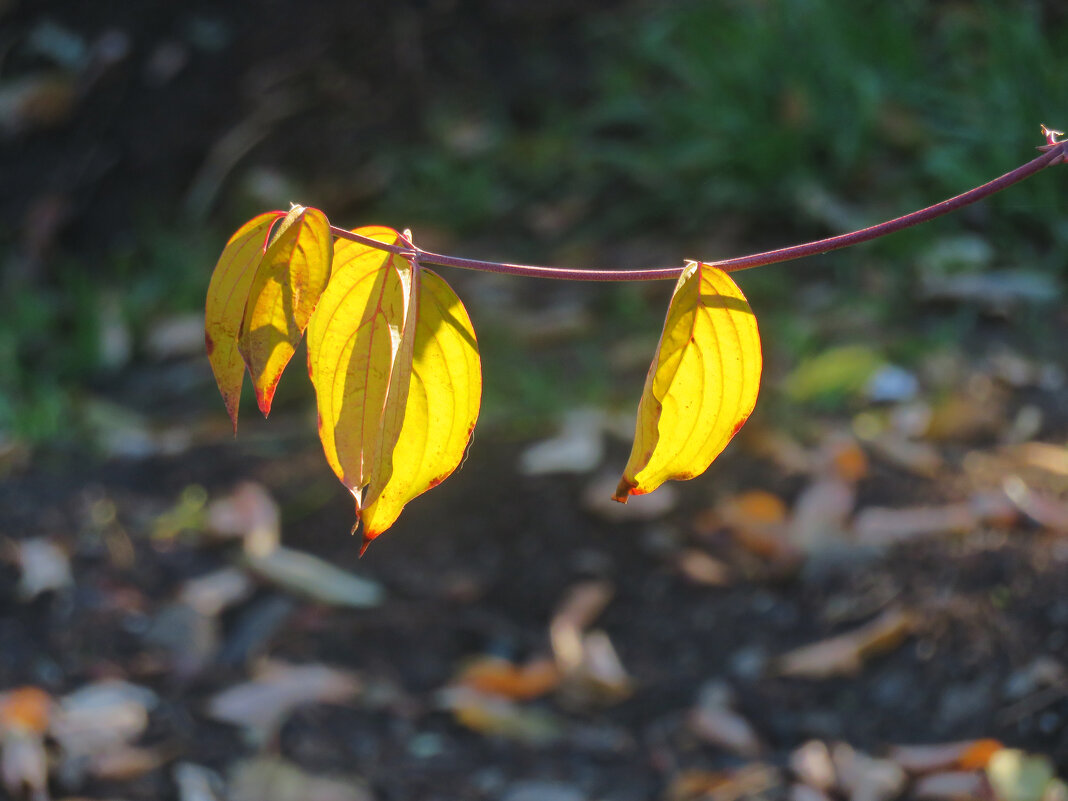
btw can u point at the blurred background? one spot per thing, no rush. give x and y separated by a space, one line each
877 561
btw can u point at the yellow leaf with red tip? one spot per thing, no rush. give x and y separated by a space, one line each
442 406
701 386
360 343
225 306
283 294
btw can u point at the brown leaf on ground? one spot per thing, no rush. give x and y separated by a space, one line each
820 513
751 781
314 578
128 762
783 450
496 676
249 512
590 668
962 755
495 716
957 785
921 458
25 709
967 416
757 522
262 704
582 605
24 765
44 567
866 778
701 568
881 526
1046 510
715 721
269 778
812 764
846 459
846 653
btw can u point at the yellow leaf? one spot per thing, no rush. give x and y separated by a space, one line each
225 306
293 273
360 343
442 407
701 386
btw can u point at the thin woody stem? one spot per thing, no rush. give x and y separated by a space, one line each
1054 153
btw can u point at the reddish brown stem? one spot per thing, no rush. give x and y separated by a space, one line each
1054 153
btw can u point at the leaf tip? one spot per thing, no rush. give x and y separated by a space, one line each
368 536
264 399
624 490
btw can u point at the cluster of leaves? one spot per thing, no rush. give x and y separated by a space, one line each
394 360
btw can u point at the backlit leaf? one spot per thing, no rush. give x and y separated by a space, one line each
360 344
287 285
225 307
442 407
701 386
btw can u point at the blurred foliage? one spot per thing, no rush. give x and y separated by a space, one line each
692 124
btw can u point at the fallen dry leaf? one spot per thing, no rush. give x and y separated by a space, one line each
95 724
880 526
1045 456
24 765
500 717
753 509
757 522
248 512
128 762
846 459
197 783
589 665
25 709
213 592
269 778
44 567
700 568
951 786
962 755
714 721
820 513
804 792
582 605
787 453
262 704
921 458
577 448
497 676
599 677
1048 511
1017 776
812 764
755 780
315 578
845 654
866 778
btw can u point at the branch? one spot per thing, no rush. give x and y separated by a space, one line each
1054 152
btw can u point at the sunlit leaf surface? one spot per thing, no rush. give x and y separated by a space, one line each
225 305
442 407
360 344
284 292
701 386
